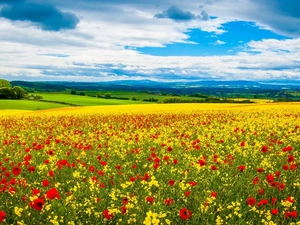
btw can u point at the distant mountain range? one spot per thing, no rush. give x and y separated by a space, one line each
208 86
274 84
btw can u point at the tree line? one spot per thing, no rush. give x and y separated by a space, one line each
9 92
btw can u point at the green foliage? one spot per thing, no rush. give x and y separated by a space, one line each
35 97
18 93
73 92
4 83
99 95
5 92
107 95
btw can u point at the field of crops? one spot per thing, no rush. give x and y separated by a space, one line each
151 164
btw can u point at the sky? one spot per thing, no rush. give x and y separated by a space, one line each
159 40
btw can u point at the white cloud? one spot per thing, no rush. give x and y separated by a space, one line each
109 33
219 42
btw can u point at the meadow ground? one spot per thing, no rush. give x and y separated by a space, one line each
28 105
86 100
151 164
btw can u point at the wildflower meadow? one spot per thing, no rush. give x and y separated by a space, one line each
151 164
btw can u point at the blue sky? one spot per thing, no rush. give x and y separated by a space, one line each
161 40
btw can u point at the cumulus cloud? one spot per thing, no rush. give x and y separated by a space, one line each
45 16
179 15
219 42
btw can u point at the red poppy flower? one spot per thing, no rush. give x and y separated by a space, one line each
45 183
150 199
274 211
125 201
290 158
35 192
270 178
16 171
188 193
107 214
241 168
171 182
264 149
193 183
123 209
2 216
168 201
31 169
201 162
214 167
255 180
285 167
293 167
262 202
274 200
37 204
251 201
289 199
53 193
292 214
213 194
185 214
260 170
51 173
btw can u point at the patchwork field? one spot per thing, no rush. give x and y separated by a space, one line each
151 164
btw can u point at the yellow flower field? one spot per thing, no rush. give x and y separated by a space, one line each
151 164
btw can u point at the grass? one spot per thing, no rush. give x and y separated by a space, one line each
28 105
86 100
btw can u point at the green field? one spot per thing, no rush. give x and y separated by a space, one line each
28 105
86 100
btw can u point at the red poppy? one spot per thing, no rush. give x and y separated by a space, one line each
292 214
201 162
37 204
168 201
35 192
51 173
214 167
123 209
262 202
285 167
274 200
260 170
53 193
274 211
293 167
31 169
264 149
213 194
125 201
107 214
2 216
193 183
16 171
251 201
270 178
255 180
241 168
289 199
171 182
290 158
150 199
185 214
188 193
261 191
45 183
